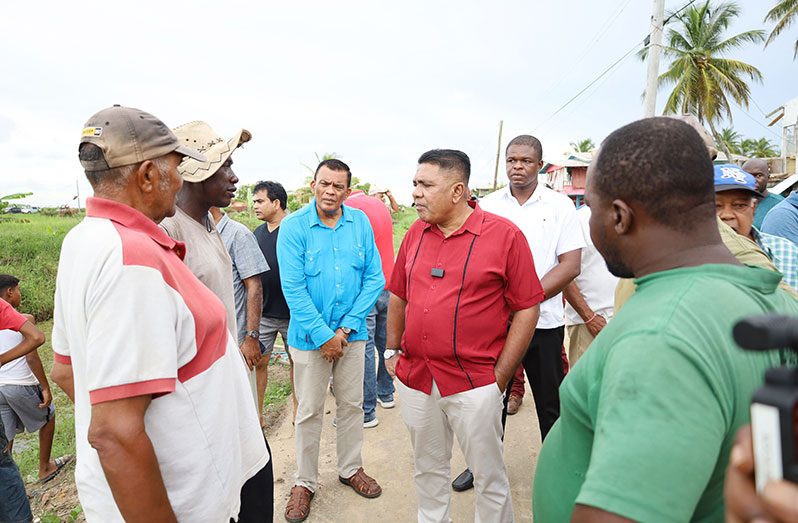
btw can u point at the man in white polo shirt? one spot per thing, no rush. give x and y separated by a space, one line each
164 424
548 220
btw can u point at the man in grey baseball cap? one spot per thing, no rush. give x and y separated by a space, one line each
141 347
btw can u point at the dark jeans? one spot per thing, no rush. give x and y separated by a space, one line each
257 495
14 506
544 370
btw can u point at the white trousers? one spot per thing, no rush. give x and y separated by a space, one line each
474 416
311 378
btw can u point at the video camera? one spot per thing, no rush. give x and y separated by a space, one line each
774 406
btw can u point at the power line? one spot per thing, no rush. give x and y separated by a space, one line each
605 27
577 95
685 6
614 64
760 124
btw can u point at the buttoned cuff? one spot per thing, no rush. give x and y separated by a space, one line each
321 335
351 323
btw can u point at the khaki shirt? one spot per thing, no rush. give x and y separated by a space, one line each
745 250
207 258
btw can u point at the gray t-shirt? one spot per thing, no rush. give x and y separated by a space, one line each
248 261
207 258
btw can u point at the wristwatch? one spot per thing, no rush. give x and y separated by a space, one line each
390 353
347 331
253 334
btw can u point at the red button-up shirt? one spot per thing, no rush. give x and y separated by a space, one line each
456 325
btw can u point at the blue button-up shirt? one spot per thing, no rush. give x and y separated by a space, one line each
331 277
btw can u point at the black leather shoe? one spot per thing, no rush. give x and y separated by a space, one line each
463 482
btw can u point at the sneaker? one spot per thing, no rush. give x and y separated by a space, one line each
366 424
386 404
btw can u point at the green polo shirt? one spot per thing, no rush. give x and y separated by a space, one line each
649 413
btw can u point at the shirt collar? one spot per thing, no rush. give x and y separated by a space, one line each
313 215
537 194
134 219
473 223
223 222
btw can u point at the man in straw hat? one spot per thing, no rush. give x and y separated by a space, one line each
142 347
212 183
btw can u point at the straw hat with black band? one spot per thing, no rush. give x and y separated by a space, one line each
200 136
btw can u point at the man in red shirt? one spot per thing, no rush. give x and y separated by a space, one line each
377 386
14 505
459 275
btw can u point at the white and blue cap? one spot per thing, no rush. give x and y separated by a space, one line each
730 177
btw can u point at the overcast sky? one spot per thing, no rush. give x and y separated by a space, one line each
377 83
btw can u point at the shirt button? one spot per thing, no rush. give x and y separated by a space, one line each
424 337
426 311
433 287
336 267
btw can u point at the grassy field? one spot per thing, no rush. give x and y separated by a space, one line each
30 247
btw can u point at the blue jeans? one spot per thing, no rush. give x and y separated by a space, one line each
377 383
14 506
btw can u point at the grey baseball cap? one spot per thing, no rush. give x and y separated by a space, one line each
128 136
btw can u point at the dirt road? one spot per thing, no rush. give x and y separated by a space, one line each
387 457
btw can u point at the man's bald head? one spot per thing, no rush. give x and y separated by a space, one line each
759 169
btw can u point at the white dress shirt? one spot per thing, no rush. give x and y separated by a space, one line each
548 220
595 282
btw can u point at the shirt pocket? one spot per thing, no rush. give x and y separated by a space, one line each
312 265
358 257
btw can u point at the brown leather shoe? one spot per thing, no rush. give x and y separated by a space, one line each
513 404
298 507
363 484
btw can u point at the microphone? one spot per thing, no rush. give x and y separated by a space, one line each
767 332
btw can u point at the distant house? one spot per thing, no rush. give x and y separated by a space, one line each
568 175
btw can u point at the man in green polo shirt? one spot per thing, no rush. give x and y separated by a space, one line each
649 414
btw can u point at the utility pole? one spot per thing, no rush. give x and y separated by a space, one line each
77 193
654 51
498 155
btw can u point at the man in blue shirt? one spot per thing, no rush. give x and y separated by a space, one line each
782 220
735 201
331 276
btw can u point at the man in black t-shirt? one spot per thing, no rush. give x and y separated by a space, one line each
269 200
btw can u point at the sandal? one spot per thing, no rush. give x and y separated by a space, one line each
363 484
59 464
298 507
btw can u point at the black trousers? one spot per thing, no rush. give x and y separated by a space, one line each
257 495
544 370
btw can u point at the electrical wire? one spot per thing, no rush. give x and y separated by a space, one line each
599 77
613 65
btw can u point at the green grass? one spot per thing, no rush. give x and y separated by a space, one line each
401 223
30 248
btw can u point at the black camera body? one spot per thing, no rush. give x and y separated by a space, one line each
774 406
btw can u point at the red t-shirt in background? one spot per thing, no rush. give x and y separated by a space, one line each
10 318
382 225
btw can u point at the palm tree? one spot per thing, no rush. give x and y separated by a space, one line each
583 146
761 148
783 14
702 77
730 139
